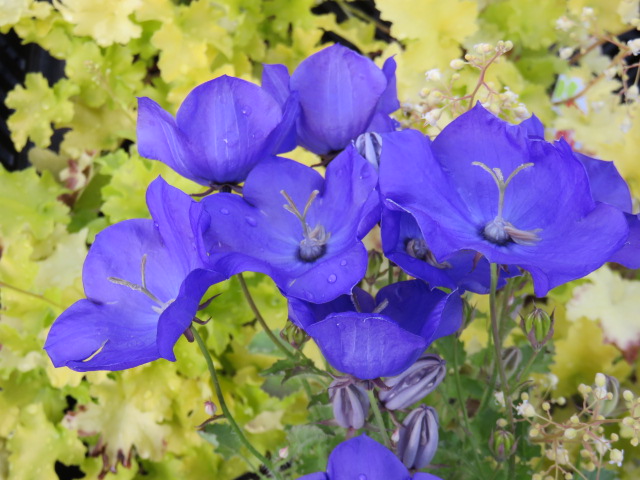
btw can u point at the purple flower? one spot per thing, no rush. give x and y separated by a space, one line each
607 186
302 230
143 280
221 131
404 244
484 185
370 339
362 458
342 94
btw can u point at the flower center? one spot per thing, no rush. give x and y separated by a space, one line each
500 231
417 248
161 306
369 146
314 242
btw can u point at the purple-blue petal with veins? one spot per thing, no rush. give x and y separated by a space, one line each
339 93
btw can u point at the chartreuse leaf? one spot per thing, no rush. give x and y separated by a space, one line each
37 444
29 203
106 26
37 106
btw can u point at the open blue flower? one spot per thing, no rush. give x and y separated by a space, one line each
143 280
370 339
302 230
607 186
342 94
362 458
484 185
221 131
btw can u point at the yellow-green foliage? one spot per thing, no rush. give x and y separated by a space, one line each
121 49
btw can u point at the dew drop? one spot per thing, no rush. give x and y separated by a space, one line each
332 278
224 211
362 476
225 140
343 263
251 221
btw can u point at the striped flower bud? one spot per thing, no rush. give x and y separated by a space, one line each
350 403
502 444
538 327
415 383
418 438
294 335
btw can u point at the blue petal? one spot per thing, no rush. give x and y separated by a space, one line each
366 345
275 80
629 253
160 139
425 476
533 127
305 314
229 120
364 456
388 102
339 93
607 185
91 336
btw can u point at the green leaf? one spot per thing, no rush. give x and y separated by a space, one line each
223 438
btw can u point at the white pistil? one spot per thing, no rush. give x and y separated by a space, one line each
143 288
499 230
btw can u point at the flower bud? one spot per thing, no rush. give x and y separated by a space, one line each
369 146
415 383
538 327
605 385
502 444
350 403
418 437
293 335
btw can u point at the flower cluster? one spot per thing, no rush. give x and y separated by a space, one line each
484 193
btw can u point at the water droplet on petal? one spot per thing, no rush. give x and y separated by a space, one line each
343 263
224 211
251 221
362 476
332 278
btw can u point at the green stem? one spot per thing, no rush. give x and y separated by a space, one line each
463 405
227 414
497 343
526 368
260 318
34 295
379 420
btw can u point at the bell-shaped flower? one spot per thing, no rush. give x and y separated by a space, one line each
300 229
143 280
484 185
370 339
221 131
404 244
362 458
607 186
342 94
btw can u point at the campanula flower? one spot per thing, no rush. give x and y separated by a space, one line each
362 458
300 229
342 94
221 131
370 339
484 185
607 186
143 280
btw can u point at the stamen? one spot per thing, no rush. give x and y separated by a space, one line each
379 308
499 230
417 248
142 288
314 242
96 352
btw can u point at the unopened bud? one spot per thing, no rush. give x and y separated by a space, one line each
210 408
457 63
432 116
433 75
350 403
502 445
418 440
415 383
293 335
369 146
538 327
606 392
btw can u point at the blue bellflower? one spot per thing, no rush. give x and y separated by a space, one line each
484 185
362 458
607 186
221 131
370 339
143 280
300 229
342 94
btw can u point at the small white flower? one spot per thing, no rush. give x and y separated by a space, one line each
616 456
499 397
566 52
634 45
564 24
525 409
433 75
